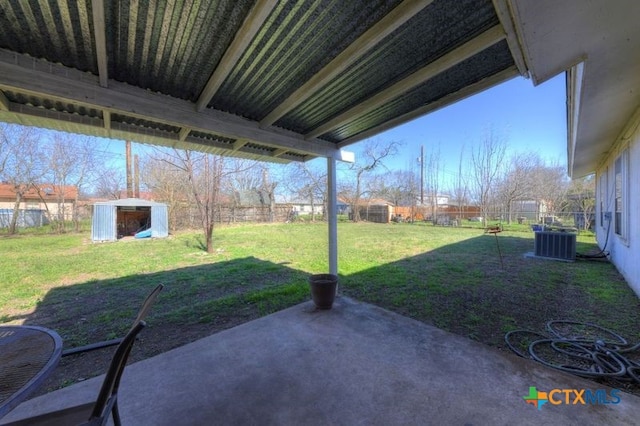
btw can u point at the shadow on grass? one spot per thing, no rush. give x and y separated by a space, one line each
208 295
466 289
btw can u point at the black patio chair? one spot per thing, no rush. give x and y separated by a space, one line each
98 412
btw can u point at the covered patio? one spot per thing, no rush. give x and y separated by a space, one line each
353 364
290 81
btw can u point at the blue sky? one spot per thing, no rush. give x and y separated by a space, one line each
529 118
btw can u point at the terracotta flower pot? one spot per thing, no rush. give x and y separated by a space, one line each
323 289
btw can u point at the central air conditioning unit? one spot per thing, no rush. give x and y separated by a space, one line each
556 245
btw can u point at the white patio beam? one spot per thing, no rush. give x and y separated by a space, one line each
449 60
40 78
332 214
250 27
506 19
374 35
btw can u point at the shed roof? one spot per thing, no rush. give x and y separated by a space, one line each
271 80
130 202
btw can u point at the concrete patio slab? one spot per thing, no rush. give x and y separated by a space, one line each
355 364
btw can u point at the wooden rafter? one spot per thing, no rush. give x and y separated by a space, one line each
239 144
106 118
279 152
4 102
97 7
184 132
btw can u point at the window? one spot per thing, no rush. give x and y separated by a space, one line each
621 200
603 198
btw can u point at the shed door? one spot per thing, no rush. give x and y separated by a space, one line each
159 221
103 226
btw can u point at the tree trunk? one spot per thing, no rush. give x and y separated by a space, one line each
313 210
209 238
14 217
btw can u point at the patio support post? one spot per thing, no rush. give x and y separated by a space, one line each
332 214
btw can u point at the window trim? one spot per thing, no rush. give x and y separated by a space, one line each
621 195
603 190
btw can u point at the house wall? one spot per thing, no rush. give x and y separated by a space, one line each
624 250
38 205
306 208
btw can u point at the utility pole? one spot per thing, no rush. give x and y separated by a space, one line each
421 175
136 176
128 165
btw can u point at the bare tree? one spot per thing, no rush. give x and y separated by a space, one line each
24 166
205 174
6 132
581 198
487 162
400 187
109 183
461 186
168 184
551 186
266 193
245 177
432 180
72 159
518 182
373 156
310 184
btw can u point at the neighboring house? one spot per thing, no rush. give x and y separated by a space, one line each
305 207
55 200
533 210
440 200
374 210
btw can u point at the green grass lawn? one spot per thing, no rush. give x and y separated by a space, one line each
448 277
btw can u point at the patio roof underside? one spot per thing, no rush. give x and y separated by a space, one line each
268 80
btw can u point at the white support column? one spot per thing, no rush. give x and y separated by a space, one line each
332 214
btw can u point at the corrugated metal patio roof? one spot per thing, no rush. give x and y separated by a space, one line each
271 80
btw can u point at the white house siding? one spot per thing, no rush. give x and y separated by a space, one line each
37 205
625 249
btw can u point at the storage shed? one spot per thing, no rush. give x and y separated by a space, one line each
127 217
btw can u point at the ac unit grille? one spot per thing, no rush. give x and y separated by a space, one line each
557 245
